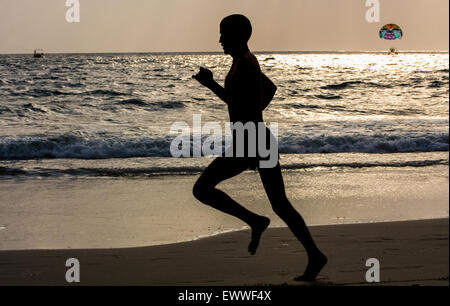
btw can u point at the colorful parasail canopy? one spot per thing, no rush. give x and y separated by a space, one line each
390 32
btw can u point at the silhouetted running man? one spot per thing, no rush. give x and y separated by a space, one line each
242 94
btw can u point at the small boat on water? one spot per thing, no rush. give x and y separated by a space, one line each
38 53
393 51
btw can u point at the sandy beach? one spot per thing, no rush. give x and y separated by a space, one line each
410 253
107 212
148 231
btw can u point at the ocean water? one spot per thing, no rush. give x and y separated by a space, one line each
110 114
85 138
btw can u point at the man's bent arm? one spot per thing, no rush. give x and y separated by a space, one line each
219 91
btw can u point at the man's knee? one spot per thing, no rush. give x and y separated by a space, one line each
282 207
197 190
201 190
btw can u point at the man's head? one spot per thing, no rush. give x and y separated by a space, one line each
235 31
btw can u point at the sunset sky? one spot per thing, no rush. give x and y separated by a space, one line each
193 25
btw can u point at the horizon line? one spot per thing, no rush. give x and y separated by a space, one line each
221 52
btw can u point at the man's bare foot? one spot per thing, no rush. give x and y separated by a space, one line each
257 229
315 265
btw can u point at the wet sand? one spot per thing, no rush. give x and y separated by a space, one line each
409 252
108 212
